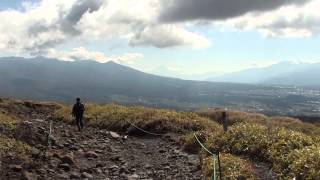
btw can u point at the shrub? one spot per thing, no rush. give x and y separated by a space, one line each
13 146
7 122
232 167
263 143
235 117
305 163
116 117
283 143
246 139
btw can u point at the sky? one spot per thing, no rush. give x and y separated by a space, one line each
191 39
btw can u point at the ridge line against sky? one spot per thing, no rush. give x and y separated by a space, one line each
173 37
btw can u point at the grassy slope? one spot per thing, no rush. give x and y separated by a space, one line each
289 145
277 141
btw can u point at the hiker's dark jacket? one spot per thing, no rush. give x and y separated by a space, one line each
78 109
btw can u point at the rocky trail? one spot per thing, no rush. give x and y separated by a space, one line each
99 154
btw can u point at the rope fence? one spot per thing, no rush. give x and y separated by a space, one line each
147 132
214 156
49 134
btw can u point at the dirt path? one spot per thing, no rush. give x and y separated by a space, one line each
263 171
96 154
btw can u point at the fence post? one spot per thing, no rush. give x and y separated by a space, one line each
220 172
224 121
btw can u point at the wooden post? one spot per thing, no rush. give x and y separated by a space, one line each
224 121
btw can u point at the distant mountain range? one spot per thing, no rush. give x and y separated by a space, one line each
284 73
51 79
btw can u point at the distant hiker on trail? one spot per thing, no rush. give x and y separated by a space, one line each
77 112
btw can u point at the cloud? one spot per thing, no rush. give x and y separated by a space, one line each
81 53
48 24
185 10
289 21
64 24
163 36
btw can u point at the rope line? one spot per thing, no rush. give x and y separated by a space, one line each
151 133
214 169
214 176
49 135
211 153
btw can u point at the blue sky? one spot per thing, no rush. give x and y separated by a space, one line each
190 45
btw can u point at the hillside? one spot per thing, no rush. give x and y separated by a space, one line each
254 147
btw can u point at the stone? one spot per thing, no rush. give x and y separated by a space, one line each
148 166
28 176
35 153
98 170
64 166
63 176
16 168
75 175
91 154
100 165
133 177
86 175
41 171
67 159
99 151
115 135
56 155
113 167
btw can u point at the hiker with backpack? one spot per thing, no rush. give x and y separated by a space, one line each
77 112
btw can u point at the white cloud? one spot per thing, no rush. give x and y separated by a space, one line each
288 21
46 24
163 36
81 53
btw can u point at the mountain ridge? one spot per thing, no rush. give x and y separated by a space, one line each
274 74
